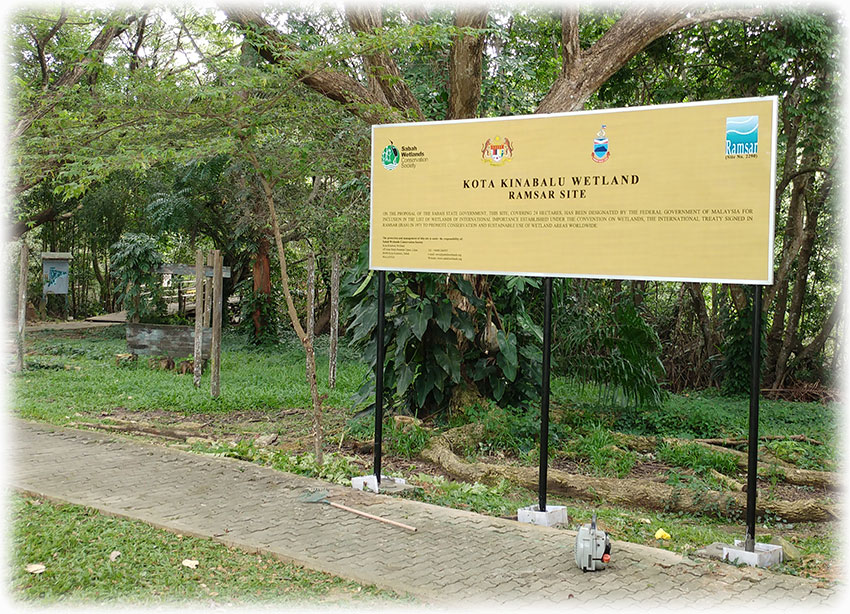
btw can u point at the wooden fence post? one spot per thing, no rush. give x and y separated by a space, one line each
200 276
217 307
208 281
22 302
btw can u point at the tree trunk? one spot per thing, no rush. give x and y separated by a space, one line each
334 324
795 311
309 348
628 492
23 268
262 284
465 65
385 80
791 475
708 342
304 337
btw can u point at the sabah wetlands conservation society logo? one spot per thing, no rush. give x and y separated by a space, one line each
600 146
742 136
497 151
390 157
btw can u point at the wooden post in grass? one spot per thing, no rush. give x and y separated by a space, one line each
208 281
22 303
200 276
215 349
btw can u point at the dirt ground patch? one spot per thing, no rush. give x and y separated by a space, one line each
293 429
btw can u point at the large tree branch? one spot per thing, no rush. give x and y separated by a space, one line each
816 345
93 55
337 86
465 63
570 47
50 214
135 60
384 75
795 311
41 46
583 73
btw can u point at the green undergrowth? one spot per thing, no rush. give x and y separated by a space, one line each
501 500
89 557
403 439
335 468
68 373
73 374
697 457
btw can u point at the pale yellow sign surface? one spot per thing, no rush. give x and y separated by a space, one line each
677 192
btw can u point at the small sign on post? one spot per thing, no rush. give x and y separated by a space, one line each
55 267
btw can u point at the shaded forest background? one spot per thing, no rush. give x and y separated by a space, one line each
159 131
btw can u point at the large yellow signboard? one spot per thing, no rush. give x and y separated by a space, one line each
674 192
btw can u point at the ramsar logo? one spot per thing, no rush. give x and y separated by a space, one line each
742 135
390 157
600 146
497 151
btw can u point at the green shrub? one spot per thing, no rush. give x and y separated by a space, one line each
135 261
508 429
493 500
602 338
406 440
336 468
597 448
697 457
433 347
802 454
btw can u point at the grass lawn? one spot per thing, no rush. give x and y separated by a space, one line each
90 557
72 378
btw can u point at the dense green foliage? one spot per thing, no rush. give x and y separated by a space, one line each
603 338
434 348
182 145
135 260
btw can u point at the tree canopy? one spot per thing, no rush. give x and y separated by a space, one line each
182 121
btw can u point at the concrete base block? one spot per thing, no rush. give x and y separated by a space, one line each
764 555
553 516
370 482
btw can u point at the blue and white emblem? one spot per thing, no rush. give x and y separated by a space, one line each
742 135
600 146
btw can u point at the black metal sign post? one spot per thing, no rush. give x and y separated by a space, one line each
753 441
379 376
544 395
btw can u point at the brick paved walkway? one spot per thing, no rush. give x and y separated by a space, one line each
454 558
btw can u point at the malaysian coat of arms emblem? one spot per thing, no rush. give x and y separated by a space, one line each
497 151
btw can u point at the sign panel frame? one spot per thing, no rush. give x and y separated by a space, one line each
500 149
56 268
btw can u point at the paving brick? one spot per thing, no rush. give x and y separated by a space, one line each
455 557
